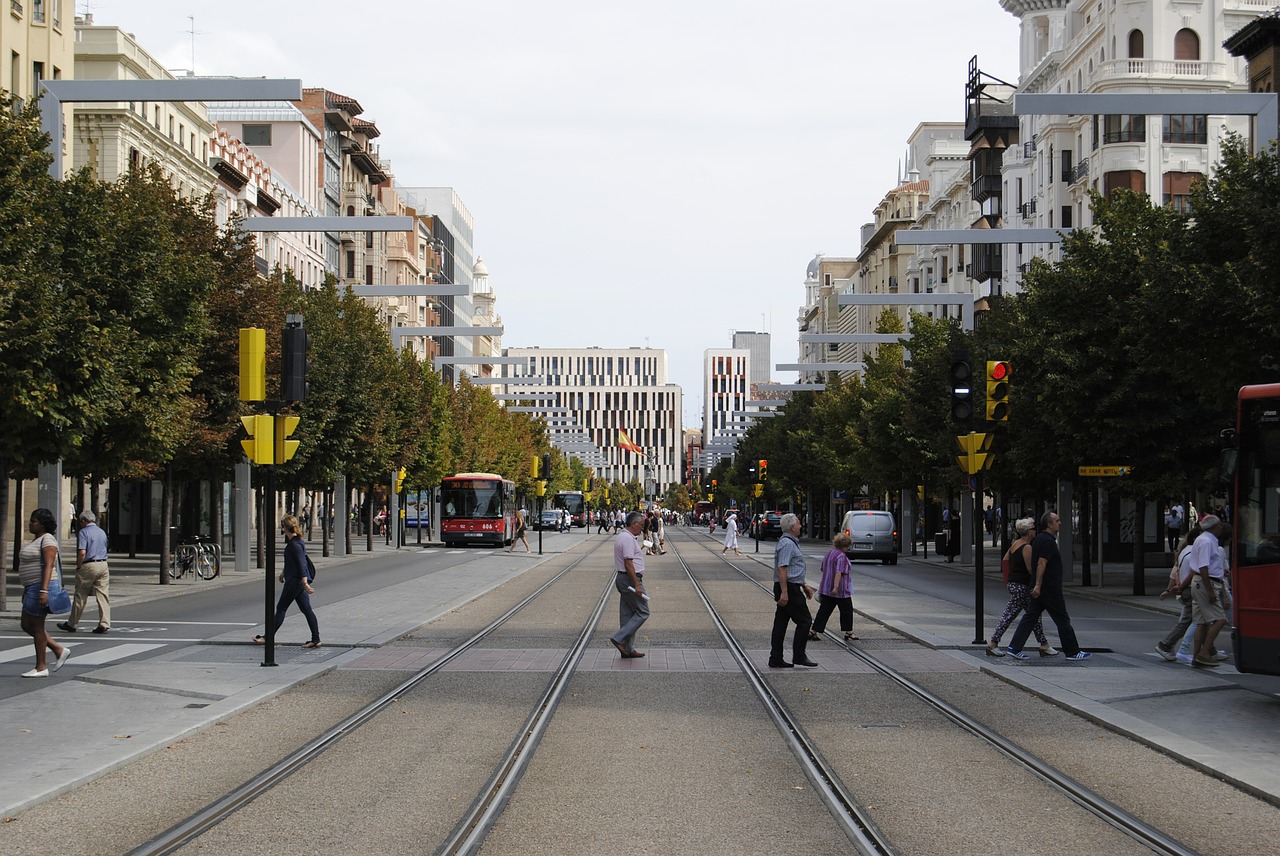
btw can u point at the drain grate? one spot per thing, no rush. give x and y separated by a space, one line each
195 706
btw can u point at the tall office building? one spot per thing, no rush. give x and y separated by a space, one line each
759 369
725 392
607 390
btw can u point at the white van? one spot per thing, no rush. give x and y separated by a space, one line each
874 535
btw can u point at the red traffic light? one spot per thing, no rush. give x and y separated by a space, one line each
999 370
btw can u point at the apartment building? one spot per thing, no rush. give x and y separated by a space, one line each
1052 163
114 137
760 366
288 147
726 389
607 390
826 277
37 42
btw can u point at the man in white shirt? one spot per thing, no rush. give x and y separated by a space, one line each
1208 592
633 606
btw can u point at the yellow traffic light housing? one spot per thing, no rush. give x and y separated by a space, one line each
763 472
998 375
253 364
535 467
400 474
260 447
284 428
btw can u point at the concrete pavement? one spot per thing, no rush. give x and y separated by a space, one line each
57 737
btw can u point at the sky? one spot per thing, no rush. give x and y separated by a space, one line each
641 174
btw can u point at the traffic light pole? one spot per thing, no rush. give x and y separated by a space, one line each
979 633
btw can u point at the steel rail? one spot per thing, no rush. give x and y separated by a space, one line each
1091 801
851 816
186 831
469 834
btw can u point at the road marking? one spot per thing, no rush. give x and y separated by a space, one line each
110 655
198 623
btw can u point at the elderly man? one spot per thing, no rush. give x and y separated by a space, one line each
633 606
790 591
1208 591
92 576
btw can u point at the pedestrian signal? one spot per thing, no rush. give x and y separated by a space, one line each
998 375
961 390
293 373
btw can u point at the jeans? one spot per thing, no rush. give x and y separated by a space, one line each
1184 621
293 591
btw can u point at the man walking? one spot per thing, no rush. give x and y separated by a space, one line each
1173 525
633 606
1046 595
790 591
91 575
1208 592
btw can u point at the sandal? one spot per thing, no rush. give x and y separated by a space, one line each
814 636
849 637
312 644
259 640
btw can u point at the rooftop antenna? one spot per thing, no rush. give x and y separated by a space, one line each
193 33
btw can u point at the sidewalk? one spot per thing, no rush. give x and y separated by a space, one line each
178 692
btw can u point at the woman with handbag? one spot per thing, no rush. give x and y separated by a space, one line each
1019 584
40 573
297 581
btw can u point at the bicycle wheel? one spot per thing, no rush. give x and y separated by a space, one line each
206 562
182 558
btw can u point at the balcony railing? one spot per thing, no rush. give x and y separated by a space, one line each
1160 68
1029 148
16 7
1077 173
1027 209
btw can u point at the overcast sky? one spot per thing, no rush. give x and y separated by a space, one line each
651 173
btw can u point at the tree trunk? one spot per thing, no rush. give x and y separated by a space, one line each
166 520
17 521
369 522
325 512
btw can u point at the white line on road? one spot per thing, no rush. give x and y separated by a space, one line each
109 655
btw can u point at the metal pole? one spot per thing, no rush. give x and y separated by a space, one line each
269 532
979 633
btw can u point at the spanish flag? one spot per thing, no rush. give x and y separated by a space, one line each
625 442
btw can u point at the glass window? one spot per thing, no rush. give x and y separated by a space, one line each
1124 129
1186 129
256 135
1258 473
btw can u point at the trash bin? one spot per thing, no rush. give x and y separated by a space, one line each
939 543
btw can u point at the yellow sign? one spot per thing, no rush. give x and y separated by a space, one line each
977 456
1106 471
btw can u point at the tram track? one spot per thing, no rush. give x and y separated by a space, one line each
1141 832
469 832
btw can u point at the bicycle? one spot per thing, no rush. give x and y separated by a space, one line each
202 557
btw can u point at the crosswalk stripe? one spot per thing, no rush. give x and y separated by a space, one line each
109 655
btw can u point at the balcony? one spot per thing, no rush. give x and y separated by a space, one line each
16 7
1119 69
1076 173
984 187
1029 149
1027 209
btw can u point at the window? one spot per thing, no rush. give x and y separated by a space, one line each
1136 50
1177 189
351 264
1186 45
171 123
256 135
1066 216
1124 129
1186 129
1125 179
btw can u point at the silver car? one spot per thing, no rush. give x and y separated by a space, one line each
874 535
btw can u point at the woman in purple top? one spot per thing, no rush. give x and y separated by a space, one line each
836 588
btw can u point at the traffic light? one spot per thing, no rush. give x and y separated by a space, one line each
546 465
541 489
284 428
763 472
535 467
586 485
759 489
260 447
400 474
998 374
293 370
253 364
961 389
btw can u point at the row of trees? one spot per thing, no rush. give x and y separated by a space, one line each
120 305
1128 351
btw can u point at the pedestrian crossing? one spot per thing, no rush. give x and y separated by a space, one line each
86 654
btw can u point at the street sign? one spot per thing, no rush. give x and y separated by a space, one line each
1105 471
975 447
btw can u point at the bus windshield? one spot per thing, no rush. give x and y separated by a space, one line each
1258 471
570 502
471 498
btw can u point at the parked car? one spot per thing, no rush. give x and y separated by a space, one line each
771 524
549 520
874 535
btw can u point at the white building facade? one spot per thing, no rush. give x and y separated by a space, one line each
607 390
726 390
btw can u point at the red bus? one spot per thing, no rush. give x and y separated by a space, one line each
477 508
1255 555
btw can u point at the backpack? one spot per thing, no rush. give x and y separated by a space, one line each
311 569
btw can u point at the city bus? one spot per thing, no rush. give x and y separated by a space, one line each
1255 554
573 502
477 508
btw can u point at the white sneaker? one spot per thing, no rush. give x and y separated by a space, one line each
1184 658
1221 655
36 673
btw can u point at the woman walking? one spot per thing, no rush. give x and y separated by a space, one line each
297 581
836 589
1019 585
731 534
36 564
519 536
